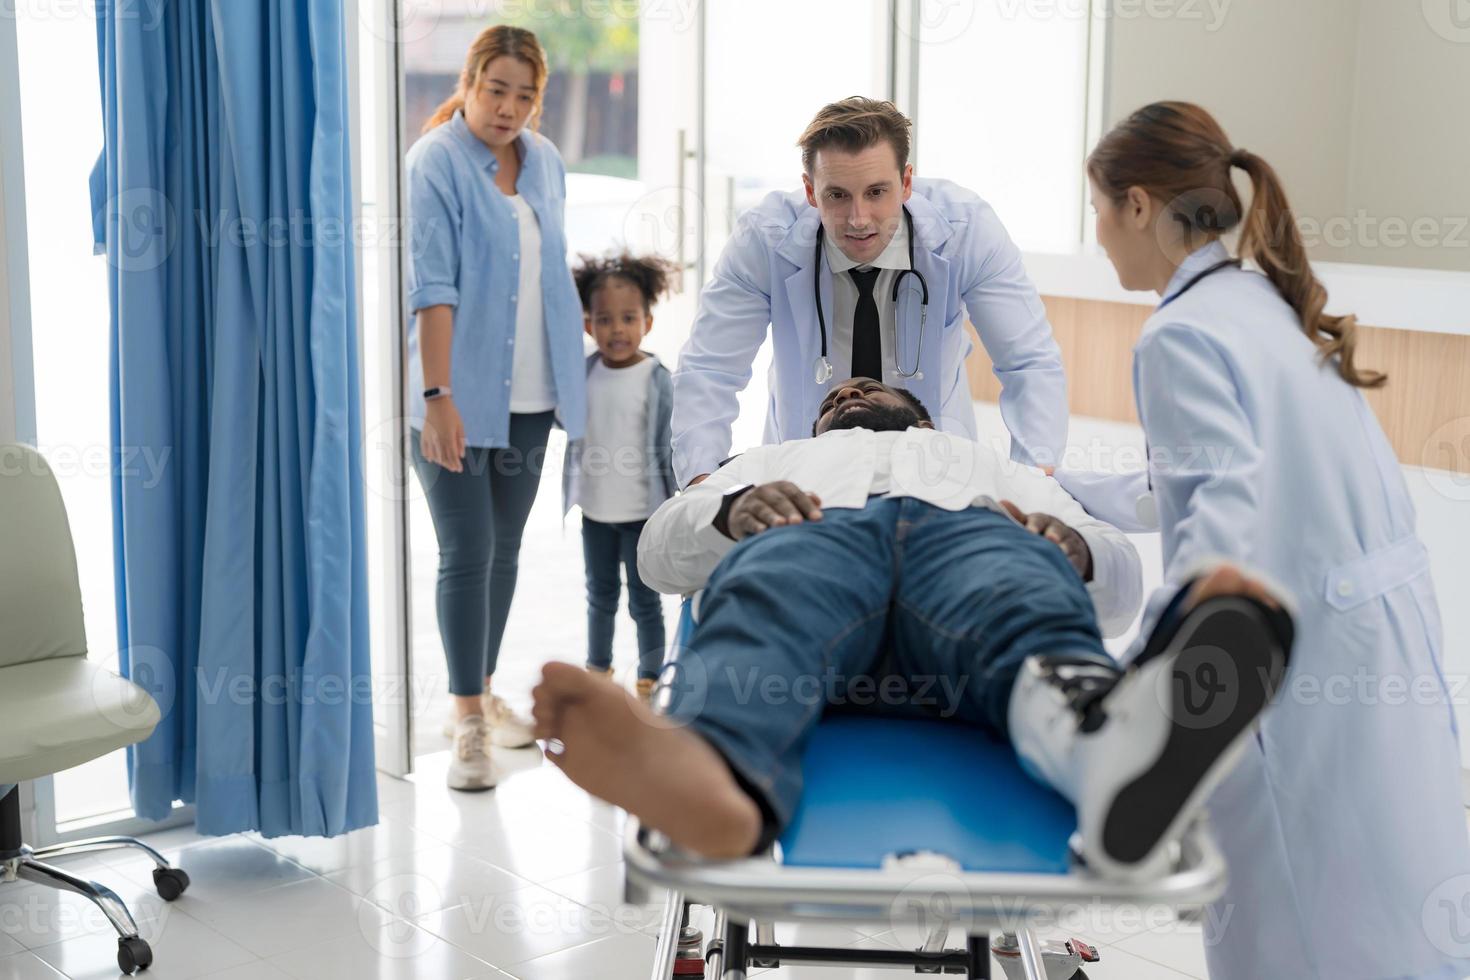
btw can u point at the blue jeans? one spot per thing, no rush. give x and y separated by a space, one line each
479 515
901 607
604 548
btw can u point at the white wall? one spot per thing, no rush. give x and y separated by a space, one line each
1359 104
1410 154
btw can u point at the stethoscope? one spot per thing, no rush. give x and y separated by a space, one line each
1194 280
824 366
1188 285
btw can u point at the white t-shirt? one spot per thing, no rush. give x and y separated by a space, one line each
614 454
532 388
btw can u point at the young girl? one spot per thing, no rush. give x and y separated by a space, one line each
623 469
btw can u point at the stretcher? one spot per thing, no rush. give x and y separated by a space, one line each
928 831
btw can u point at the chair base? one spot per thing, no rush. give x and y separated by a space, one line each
19 862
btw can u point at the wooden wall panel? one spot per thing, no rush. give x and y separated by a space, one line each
1425 408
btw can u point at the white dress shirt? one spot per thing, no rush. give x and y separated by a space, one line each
893 258
680 546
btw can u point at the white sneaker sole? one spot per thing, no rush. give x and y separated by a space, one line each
1227 647
472 782
501 736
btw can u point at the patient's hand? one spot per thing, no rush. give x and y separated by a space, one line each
1073 545
771 505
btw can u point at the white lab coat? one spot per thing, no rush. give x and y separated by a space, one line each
1343 825
764 279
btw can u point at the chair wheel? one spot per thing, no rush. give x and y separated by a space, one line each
170 882
133 954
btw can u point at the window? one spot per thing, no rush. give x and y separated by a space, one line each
1002 111
61 120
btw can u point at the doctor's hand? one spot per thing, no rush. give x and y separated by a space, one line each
1073 545
771 505
443 438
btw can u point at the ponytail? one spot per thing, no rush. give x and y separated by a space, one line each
1271 240
445 112
1178 153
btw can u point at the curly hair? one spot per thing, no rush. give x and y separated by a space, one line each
655 277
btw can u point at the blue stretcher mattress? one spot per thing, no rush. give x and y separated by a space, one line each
877 786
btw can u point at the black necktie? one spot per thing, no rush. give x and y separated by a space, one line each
867 346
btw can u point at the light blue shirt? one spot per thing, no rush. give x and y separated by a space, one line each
464 252
765 281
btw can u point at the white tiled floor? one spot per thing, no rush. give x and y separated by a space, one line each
524 881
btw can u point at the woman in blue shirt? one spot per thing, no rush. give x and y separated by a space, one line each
495 337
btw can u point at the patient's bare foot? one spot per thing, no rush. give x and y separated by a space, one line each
615 748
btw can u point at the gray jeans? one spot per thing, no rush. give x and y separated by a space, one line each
479 515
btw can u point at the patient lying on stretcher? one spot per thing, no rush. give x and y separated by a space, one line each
884 562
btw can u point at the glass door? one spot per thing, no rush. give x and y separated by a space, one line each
623 112
762 87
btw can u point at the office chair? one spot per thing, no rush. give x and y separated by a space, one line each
57 708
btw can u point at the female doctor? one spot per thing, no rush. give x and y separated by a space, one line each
1342 826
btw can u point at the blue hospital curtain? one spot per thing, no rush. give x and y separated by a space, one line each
222 201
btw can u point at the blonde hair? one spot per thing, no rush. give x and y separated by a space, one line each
500 41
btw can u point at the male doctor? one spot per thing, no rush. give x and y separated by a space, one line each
868 273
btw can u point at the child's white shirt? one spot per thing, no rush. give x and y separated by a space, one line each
615 452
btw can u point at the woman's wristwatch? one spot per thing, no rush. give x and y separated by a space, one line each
438 391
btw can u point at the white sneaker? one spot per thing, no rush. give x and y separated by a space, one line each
508 729
470 767
1139 752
